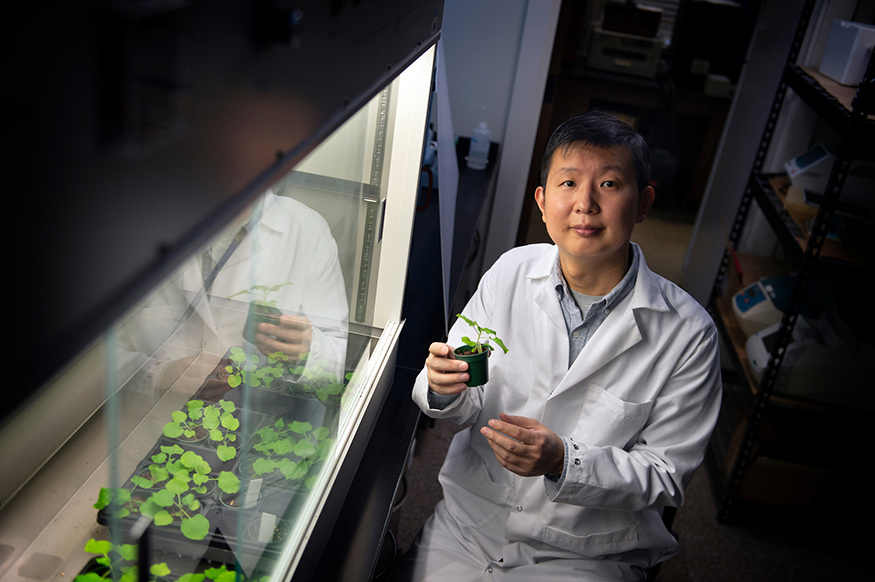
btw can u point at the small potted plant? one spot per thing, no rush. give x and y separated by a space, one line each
261 310
475 352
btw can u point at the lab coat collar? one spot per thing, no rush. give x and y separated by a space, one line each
262 222
616 335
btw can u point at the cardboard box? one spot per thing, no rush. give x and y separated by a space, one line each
847 51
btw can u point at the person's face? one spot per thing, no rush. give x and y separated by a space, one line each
591 203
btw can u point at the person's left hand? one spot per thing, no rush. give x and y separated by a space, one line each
525 446
292 337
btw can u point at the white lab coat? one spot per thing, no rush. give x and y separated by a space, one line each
290 242
636 409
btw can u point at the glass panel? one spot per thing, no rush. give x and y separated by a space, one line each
228 396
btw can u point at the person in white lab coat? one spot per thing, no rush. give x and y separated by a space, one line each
600 412
282 242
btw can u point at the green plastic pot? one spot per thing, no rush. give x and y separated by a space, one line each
478 365
259 313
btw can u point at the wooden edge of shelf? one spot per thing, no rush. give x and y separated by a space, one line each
789 222
843 94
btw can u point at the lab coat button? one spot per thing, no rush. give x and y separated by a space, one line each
489 569
519 507
576 447
576 461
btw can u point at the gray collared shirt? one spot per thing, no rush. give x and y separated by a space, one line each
582 326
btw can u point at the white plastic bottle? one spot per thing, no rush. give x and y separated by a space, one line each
478 153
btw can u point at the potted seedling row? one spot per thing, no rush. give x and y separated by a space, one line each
178 504
476 351
118 563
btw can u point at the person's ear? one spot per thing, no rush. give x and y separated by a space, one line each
539 198
645 203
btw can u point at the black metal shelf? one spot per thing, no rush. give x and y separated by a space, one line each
793 239
859 137
751 405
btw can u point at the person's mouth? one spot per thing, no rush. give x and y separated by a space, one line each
586 230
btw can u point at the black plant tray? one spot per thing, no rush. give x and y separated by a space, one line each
178 564
237 528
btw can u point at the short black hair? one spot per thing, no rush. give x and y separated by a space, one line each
599 130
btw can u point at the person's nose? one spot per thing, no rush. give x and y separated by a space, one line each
585 200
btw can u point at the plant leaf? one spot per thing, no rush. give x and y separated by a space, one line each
196 527
305 449
172 430
226 453
262 466
104 497
172 449
229 482
160 569
301 427
163 498
163 517
141 482
94 546
128 552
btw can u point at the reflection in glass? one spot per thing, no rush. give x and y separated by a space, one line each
246 355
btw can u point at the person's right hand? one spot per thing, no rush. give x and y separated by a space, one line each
446 374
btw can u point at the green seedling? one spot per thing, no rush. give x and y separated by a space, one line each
117 563
247 368
292 448
216 422
182 476
262 292
479 345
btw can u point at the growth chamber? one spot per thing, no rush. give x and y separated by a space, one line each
218 200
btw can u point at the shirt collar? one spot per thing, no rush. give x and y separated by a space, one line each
617 294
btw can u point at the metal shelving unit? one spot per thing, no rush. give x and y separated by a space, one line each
739 439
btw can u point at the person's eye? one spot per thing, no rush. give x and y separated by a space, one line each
609 184
568 184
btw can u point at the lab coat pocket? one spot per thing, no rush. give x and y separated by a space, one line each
606 420
470 495
595 544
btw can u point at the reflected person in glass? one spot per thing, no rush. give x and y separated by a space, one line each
282 254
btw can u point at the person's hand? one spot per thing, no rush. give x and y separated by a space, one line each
446 374
525 446
292 337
